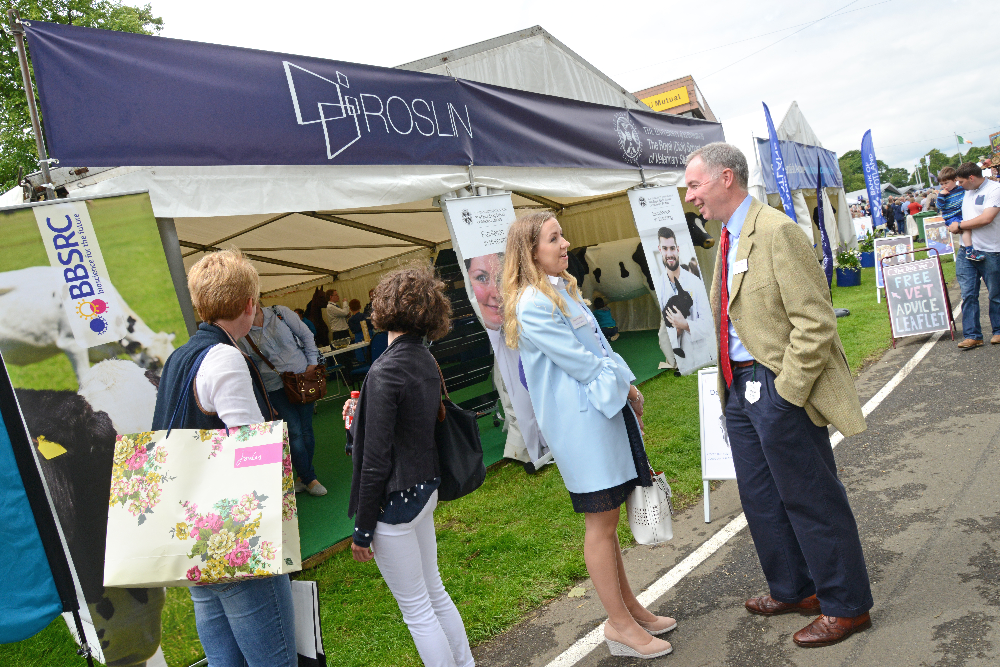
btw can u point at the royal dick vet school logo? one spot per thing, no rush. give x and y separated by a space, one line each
628 138
466 216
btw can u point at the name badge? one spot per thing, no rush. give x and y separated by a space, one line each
579 321
740 267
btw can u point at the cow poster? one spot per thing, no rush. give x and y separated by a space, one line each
478 227
89 316
687 328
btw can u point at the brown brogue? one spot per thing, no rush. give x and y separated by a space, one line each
827 630
765 605
995 340
970 343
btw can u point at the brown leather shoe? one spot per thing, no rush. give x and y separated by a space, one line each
970 343
995 340
765 605
827 630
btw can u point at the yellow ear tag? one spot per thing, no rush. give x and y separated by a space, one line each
49 449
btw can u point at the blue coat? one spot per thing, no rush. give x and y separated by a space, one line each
577 393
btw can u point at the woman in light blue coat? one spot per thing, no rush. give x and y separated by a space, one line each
589 412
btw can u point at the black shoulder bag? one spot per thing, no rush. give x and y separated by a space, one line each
459 448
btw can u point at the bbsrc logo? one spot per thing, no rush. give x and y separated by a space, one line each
628 138
466 216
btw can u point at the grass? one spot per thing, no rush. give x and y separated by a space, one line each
504 550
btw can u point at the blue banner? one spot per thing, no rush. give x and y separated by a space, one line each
820 220
870 166
778 168
118 99
800 166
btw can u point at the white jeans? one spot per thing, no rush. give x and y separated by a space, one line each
406 554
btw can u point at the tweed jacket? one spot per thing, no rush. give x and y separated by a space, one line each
782 311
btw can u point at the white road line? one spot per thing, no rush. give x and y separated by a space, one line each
583 646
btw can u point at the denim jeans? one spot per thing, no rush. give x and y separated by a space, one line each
968 274
247 624
299 417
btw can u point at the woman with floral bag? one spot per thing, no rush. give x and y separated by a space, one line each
249 622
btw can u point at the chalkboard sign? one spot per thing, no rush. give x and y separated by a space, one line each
916 298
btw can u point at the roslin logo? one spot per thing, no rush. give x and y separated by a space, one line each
93 311
628 138
466 216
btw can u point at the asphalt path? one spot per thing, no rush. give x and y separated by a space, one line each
924 482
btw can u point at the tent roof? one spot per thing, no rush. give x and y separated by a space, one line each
531 60
795 127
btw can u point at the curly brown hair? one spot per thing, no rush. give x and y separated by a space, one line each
412 300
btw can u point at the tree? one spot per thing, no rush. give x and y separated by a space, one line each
854 177
17 142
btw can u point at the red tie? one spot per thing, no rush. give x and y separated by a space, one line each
727 369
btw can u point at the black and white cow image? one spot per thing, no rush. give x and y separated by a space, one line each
616 269
79 440
34 325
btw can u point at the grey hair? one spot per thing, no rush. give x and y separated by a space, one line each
718 156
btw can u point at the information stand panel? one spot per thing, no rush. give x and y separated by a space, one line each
916 297
716 456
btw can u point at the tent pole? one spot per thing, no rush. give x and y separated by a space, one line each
17 29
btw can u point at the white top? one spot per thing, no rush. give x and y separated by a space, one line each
224 387
338 316
985 196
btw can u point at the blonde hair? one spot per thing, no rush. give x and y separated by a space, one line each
221 283
520 271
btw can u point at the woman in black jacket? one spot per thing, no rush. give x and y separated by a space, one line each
396 468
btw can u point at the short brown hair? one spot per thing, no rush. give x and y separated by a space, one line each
967 169
947 174
221 283
412 300
354 304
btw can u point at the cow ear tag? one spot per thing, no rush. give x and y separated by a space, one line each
49 449
753 391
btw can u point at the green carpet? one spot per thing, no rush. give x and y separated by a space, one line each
323 521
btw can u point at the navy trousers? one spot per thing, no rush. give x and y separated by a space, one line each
796 507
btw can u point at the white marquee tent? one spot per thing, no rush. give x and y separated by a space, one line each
795 127
343 226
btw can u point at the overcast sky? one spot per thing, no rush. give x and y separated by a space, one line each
892 66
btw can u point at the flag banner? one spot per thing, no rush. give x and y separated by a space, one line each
112 99
75 397
800 169
686 324
827 251
870 166
778 168
478 227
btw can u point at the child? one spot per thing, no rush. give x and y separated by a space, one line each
605 320
949 203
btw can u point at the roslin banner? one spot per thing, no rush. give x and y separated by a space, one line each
687 329
478 227
777 164
107 278
112 98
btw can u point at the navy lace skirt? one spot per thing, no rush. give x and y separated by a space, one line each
609 499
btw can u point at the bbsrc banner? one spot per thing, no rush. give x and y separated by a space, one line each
478 227
687 329
87 315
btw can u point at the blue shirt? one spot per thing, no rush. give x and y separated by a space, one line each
735 225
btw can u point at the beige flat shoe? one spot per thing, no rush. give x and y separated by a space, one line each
661 625
618 645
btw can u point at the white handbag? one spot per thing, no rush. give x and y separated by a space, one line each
649 511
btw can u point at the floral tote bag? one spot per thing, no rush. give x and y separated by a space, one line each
193 507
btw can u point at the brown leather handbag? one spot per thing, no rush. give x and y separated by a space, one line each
305 387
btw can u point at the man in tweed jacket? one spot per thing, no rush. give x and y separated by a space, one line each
783 378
